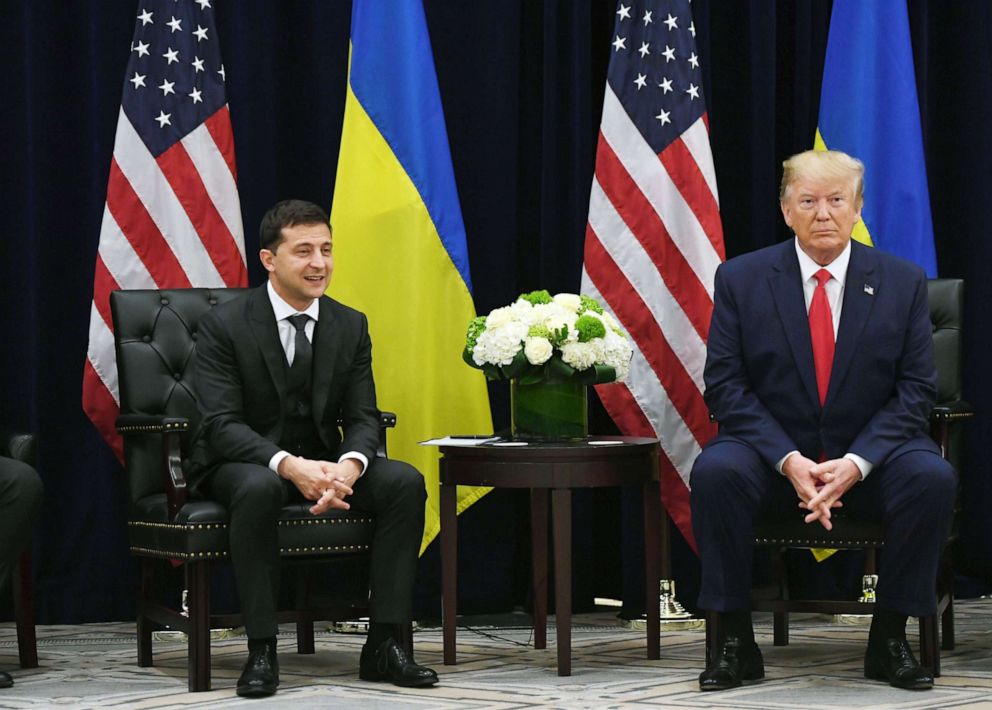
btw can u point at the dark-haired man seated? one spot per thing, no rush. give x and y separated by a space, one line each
274 371
820 370
20 501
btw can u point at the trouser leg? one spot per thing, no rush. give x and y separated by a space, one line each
253 496
915 495
729 484
394 493
21 495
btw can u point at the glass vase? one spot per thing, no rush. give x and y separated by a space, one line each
549 411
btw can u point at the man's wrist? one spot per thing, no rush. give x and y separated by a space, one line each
780 466
359 458
276 461
864 465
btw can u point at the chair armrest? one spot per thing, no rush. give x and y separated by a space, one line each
941 418
170 428
20 446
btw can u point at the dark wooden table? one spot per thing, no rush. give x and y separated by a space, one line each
556 469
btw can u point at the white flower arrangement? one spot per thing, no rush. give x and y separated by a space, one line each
540 338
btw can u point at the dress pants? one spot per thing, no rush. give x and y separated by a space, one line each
20 500
912 495
392 491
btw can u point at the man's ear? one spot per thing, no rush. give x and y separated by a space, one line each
785 213
266 256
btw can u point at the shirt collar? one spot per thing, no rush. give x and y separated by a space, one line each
837 267
283 310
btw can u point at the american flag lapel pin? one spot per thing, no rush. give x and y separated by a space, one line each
870 290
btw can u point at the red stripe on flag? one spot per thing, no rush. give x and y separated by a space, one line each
142 233
640 217
650 339
620 404
103 284
689 180
101 408
217 239
219 127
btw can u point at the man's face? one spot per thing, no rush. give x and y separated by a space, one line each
301 265
822 213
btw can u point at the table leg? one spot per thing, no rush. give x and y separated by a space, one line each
539 563
652 543
561 512
449 570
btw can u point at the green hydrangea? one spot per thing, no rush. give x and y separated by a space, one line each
589 327
590 304
539 331
476 327
537 297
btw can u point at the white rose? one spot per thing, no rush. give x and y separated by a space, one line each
538 350
499 317
568 300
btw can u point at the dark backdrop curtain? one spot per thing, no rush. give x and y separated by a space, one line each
522 85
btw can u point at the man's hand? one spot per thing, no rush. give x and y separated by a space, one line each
836 477
340 478
307 475
800 472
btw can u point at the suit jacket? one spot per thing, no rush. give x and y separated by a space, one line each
240 381
760 380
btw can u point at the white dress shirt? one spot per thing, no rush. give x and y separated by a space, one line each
287 337
835 297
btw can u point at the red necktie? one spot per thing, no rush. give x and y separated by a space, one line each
821 332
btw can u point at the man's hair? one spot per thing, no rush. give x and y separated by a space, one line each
287 213
824 165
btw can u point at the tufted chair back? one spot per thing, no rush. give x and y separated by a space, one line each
946 305
156 344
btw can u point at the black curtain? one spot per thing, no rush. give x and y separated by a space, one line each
522 85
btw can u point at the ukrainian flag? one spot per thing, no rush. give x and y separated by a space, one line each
868 108
399 240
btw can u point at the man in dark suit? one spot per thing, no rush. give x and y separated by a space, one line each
274 371
820 372
20 501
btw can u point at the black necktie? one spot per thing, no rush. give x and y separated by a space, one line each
303 359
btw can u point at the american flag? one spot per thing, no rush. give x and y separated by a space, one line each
172 217
654 238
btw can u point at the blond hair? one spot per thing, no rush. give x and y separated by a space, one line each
821 165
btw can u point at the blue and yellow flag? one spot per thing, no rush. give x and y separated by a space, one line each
869 109
399 240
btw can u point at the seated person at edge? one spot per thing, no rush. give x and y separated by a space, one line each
275 369
820 372
20 502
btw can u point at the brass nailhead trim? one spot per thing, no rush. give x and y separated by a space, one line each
209 554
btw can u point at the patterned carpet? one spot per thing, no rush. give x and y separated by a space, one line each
93 666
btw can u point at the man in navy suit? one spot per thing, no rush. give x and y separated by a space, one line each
820 371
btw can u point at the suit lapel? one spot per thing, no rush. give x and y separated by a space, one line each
326 348
860 287
263 324
787 289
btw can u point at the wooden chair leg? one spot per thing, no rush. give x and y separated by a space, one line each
929 644
144 624
304 626
712 632
947 624
780 628
198 601
780 619
27 642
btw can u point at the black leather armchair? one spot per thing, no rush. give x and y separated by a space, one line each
23 447
946 306
155 334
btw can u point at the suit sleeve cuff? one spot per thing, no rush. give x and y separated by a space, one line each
781 461
357 456
276 460
863 464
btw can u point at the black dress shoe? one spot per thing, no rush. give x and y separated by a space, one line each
260 678
893 661
732 663
5 680
390 662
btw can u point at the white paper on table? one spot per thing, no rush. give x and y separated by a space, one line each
460 441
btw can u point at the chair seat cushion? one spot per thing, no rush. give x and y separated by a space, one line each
200 530
794 532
